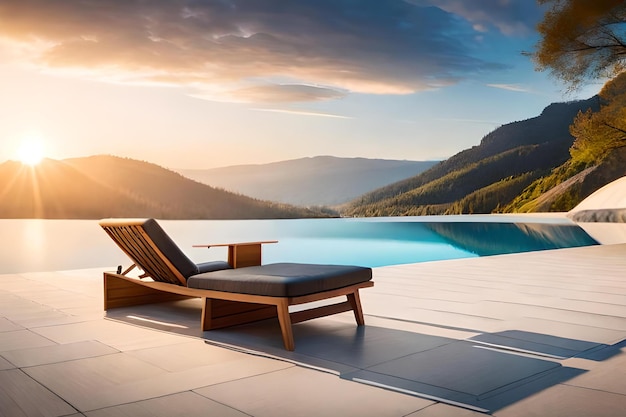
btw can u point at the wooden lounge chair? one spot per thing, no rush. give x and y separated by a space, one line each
234 292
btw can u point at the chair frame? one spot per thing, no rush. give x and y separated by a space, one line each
220 309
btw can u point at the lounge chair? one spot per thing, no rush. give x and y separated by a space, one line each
234 292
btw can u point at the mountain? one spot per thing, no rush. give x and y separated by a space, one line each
107 186
484 178
317 181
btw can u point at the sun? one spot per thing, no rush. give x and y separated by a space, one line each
31 151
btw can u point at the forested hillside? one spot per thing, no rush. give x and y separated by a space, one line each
484 178
107 186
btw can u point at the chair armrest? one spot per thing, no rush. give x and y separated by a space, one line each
208 245
212 266
241 254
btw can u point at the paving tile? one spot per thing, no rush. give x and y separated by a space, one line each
608 375
188 354
302 392
187 404
565 330
421 328
9 326
117 335
5 364
15 306
466 368
79 381
537 343
21 396
592 307
365 346
105 381
57 353
32 290
47 317
61 299
22 339
567 401
606 352
452 320
583 318
494 400
445 410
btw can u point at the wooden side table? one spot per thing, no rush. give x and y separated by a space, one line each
241 254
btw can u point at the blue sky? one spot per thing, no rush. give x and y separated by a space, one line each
207 83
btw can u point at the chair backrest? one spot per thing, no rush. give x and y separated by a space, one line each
151 249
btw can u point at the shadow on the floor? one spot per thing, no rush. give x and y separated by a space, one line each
485 374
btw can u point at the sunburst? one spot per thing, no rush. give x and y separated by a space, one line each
31 151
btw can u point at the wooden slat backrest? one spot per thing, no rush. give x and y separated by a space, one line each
140 248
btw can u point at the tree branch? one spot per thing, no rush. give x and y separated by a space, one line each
607 124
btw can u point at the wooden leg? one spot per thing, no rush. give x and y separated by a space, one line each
355 301
285 324
205 323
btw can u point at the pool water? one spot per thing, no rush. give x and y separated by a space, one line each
47 245
380 243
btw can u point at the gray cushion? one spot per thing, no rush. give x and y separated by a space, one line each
180 261
282 279
167 246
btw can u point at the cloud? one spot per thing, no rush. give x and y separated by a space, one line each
510 17
303 113
471 121
510 87
285 93
250 50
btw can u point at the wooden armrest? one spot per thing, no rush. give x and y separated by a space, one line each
241 254
235 244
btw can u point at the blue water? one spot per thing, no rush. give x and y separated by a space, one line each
47 245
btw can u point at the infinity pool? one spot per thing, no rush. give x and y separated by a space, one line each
48 245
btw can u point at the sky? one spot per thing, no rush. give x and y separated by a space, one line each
211 83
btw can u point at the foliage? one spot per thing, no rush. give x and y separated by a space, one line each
494 197
582 40
597 133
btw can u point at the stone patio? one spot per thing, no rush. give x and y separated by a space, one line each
532 334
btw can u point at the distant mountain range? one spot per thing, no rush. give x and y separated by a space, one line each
316 181
107 186
513 169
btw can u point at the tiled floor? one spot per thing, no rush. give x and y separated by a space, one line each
534 334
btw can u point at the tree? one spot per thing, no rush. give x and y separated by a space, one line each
598 133
582 40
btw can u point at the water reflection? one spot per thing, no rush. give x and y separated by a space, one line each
485 239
